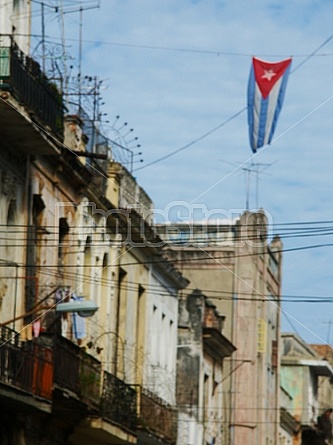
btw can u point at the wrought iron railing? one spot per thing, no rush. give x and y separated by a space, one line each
90 379
158 417
67 365
39 360
25 365
119 402
35 368
77 371
21 74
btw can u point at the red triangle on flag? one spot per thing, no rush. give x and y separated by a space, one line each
268 73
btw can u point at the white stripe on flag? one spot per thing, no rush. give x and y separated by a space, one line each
256 114
271 109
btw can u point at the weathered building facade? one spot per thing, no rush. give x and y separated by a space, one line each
302 370
239 270
152 365
325 387
289 427
202 348
69 235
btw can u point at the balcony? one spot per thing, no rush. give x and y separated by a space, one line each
118 402
22 77
99 407
77 372
63 379
214 342
157 418
27 367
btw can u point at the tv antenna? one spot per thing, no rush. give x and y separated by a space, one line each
63 10
253 169
329 323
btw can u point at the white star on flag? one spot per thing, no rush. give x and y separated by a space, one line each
268 75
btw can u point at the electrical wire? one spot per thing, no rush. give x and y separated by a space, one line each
302 233
203 258
221 295
307 247
308 57
200 138
207 232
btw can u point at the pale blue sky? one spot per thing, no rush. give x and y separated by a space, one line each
176 69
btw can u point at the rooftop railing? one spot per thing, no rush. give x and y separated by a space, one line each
22 75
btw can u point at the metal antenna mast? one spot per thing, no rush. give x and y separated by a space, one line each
64 46
254 169
80 57
43 37
62 13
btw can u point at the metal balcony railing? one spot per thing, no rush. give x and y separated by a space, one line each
81 373
37 369
22 75
90 379
77 371
119 402
158 417
67 365
27 366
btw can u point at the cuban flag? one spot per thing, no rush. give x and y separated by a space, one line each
266 89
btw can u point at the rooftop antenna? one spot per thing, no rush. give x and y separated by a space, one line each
253 169
43 37
63 10
257 169
62 14
80 55
43 41
62 21
81 9
329 323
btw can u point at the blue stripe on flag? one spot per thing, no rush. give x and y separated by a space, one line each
251 88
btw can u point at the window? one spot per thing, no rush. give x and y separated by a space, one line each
62 240
274 354
11 228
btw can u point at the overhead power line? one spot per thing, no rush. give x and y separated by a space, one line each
192 142
258 252
214 295
214 52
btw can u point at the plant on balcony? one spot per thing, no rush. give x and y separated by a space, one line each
90 378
